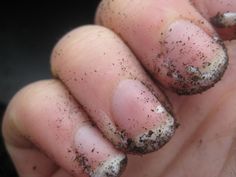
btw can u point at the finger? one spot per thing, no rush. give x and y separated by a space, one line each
105 77
222 14
171 39
45 130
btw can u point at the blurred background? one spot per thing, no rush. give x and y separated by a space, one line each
28 33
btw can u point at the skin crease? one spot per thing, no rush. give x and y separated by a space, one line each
206 134
204 144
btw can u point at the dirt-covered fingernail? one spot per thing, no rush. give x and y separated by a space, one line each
143 124
96 156
191 60
224 20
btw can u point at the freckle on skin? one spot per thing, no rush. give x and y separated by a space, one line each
200 141
34 167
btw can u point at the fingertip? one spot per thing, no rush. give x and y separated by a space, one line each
221 14
97 157
193 60
47 118
174 45
110 64
148 125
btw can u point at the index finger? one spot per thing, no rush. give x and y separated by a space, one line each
171 39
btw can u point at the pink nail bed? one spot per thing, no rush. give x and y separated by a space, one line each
144 124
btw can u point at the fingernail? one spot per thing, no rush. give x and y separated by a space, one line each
144 125
96 156
192 60
224 20
111 168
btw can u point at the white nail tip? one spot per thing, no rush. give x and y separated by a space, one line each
215 70
153 139
111 168
224 20
160 109
205 77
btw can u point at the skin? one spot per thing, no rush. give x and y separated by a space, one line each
44 122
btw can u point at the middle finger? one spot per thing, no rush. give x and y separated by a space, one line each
105 77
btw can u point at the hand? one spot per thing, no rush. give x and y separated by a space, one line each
102 104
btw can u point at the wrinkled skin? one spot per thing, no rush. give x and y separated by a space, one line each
204 144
